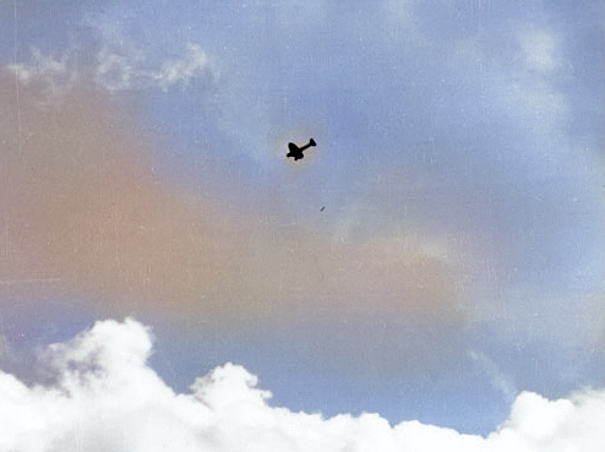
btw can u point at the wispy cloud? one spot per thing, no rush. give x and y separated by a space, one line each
119 70
541 50
52 73
502 382
195 62
118 64
41 66
105 397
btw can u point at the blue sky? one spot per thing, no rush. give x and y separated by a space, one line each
460 160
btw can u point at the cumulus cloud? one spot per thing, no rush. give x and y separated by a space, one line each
105 397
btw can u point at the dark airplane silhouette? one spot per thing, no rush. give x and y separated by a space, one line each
297 153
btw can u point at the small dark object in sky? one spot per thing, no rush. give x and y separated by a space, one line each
322 208
297 153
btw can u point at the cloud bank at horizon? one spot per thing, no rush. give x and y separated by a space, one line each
100 395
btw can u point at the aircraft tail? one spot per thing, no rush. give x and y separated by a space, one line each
312 142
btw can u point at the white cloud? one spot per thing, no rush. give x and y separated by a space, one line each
52 71
534 95
40 66
194 63
117 67
106 398
125 63
121 69
502 382
537 424
540 49
527 82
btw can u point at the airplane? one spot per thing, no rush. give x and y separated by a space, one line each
297 153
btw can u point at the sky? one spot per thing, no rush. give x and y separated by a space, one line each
431 274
